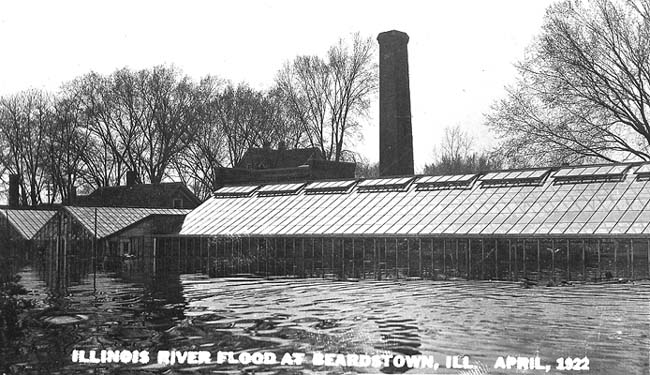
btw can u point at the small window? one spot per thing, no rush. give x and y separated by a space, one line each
178 203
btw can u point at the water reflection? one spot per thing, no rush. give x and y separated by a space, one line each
131 309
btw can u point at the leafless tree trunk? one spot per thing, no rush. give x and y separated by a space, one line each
25 119
328 98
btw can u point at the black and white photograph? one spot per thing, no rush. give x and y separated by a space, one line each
334 187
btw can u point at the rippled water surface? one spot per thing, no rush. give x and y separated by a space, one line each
608 323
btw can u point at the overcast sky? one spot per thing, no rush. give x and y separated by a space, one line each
461 53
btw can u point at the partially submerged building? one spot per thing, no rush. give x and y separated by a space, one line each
114 231
101 237
17 230
573 223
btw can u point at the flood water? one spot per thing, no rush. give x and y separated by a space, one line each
607 323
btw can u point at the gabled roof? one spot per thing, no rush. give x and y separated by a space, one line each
111 220
27 222
584 201
140 195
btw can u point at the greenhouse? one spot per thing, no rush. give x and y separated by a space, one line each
570 223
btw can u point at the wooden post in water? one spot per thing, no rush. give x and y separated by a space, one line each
249 255
383 273
178 263
374 256
600 269
332 264
420 258
444 257
408 258
155 248
631 263
496 259
232 256
568 256
304 257
258 257
342 258
363 257
396 259
457 259
266 257
615 260
293 251
482 259
313 257
433 271
584 260
322 257
469 259
353 258
553 259
523 250
510 260
539 266
284 256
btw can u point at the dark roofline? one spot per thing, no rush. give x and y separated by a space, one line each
49 207
176 186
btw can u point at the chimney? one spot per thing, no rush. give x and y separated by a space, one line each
395 134
72 196
14 193
130 178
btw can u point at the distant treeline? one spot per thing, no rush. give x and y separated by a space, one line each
162 124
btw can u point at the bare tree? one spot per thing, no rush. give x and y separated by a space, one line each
247 118
583 91
197 164
108 143
139 121
455 155
329 97
68 143
167 120
25 119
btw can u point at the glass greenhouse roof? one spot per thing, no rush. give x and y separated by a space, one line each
280 189
398 208
384 184
330 186
590 173
114 219
27 222
235 191
644 169
445 182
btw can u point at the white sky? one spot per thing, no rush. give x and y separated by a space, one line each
461 53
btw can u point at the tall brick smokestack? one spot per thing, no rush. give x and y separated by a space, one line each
14 192
395 134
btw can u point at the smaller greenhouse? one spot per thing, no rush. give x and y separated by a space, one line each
79 239
17 230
